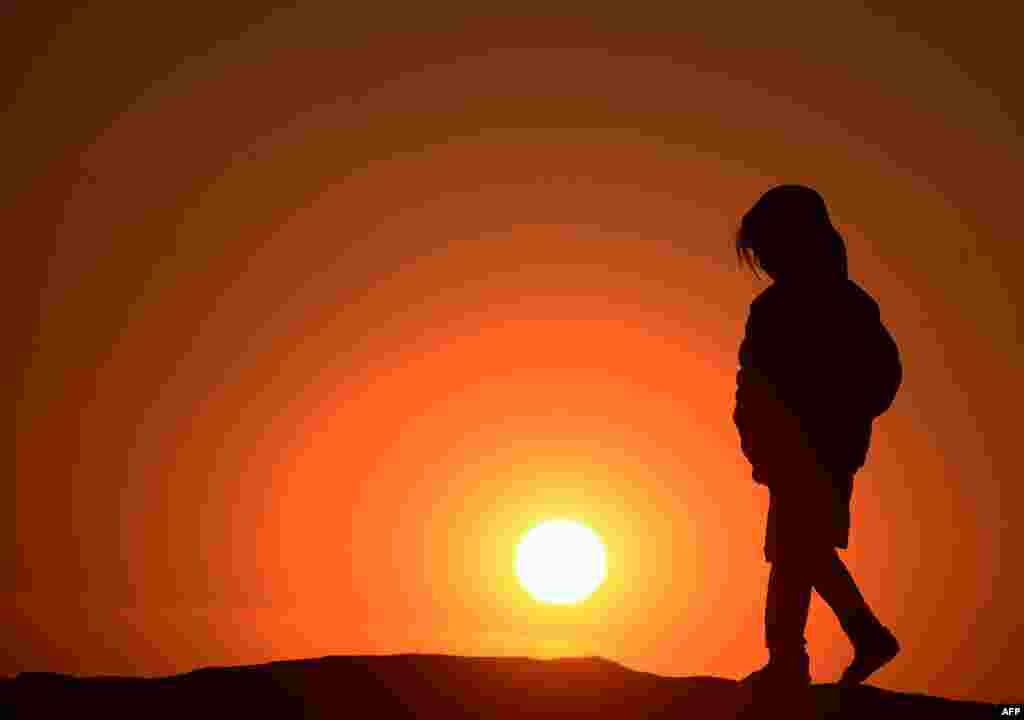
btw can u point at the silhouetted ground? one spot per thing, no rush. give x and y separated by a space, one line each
447 686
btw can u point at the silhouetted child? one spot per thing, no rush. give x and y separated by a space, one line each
816 366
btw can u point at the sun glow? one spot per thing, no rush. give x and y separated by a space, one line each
560 562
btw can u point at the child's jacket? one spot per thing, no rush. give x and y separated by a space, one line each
816 366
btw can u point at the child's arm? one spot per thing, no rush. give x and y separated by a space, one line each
769 431
752 394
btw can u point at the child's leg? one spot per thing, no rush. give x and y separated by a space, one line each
874 644
836 586
786 607
785 617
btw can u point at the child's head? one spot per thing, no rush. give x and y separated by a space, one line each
788 234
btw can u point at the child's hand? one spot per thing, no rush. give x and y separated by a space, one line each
759 476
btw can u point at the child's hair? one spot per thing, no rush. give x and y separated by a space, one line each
788 231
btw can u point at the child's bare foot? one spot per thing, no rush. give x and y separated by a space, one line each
870 653
783 672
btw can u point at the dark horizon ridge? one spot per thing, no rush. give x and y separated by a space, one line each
440 685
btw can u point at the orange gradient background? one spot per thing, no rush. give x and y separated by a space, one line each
317 312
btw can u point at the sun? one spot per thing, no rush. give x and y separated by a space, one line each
560 562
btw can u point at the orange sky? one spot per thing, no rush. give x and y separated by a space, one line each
318 313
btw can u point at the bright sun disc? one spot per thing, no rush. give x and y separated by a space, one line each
560 561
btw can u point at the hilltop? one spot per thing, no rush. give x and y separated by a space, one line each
449 686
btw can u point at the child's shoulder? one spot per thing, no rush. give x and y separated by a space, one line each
845 297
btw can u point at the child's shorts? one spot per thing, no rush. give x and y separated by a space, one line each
808 513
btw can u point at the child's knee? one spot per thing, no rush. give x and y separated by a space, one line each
803 559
